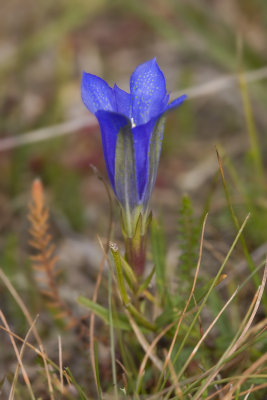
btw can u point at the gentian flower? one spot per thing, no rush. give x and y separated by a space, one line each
132 128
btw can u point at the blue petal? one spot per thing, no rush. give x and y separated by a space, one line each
123 101
154 157
148 142
96 93
110 124
177 102
148 90
142 136
125 170
165 102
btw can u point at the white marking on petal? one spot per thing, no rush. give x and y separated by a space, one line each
132 122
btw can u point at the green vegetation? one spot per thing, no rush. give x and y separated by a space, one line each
194 327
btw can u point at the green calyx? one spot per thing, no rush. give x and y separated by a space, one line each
135 242
135 223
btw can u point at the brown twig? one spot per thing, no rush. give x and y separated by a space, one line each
12 390
29 319
24 373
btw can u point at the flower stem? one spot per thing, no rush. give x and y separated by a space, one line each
136 253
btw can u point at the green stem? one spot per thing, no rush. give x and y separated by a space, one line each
122 288
248 257
252 132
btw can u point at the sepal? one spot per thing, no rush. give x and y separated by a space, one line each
125 175
136 248
153 158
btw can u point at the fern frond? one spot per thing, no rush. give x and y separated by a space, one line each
40 237
44 260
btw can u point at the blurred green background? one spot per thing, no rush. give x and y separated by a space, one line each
45 46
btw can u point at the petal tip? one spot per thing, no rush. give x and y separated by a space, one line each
177 102
96 93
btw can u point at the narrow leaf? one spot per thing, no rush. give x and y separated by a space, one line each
119 321
146 282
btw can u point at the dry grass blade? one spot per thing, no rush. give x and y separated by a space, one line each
254 389
195 350
263 327
60 364
143 342
122 367
29 319
251 265
189 298
149 351
222 389
12 390
29 345
24 373
252 368
174 378
258 301
236 343
249 392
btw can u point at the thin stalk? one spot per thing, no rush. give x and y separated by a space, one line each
21 353
197 382
205 335
111 334
168 357
236 342
252 132
29 319
99 392
250 262
24 373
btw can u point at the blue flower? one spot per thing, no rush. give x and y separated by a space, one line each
132 129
